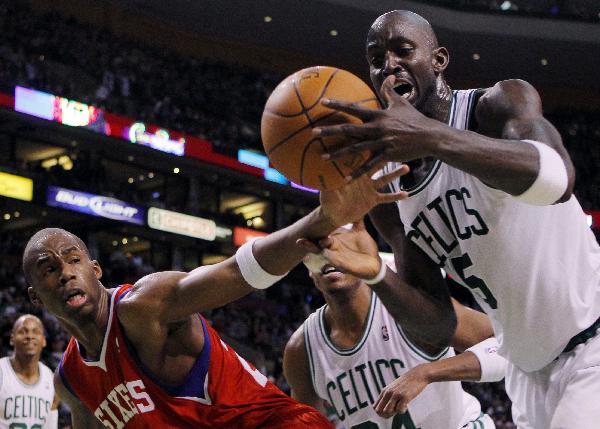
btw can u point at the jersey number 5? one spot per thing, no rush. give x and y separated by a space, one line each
463 262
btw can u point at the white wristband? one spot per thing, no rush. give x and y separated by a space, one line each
251 270
380 275
52 420
552 179
493 366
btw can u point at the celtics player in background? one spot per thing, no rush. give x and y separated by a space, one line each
374 372
27 398
490 200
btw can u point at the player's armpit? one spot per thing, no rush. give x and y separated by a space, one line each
472 327
417 296
81 417
296 370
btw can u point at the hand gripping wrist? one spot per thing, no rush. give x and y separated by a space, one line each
493 366
251 270
380 275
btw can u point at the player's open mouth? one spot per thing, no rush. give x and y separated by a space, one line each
404 89
328 269
76 298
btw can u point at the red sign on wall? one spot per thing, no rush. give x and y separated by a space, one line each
242 235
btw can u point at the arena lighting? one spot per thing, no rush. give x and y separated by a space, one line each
258 160
476 56
544 61
333 33
506 5
18 187
267 19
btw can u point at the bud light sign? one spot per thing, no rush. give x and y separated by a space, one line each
95 205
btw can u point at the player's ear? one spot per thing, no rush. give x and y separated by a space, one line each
33 296
440 59
97 269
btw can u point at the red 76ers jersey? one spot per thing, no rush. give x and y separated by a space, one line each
221 391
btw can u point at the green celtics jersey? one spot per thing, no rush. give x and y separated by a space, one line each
351 380
24 406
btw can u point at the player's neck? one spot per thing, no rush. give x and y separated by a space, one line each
90 333
439 103
345 316
26 368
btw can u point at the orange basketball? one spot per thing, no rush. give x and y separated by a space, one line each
294 109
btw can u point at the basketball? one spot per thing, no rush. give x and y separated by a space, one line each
294 109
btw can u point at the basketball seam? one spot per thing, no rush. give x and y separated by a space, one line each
310 124
291 115
323 90
305 150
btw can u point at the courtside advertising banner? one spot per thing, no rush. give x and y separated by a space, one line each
179 223
17 187
95 205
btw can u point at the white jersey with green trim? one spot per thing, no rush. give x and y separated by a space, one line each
24 406
535 270
351 380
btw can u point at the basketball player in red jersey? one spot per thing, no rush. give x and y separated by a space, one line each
141 356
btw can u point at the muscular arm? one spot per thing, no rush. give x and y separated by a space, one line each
297 371
507 113
417 296
169 297
81 417
472 327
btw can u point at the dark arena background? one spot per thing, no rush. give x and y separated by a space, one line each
135 124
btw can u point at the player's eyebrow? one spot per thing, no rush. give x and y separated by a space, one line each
42 260
69 250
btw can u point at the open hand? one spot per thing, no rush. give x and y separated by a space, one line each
353 201
397 133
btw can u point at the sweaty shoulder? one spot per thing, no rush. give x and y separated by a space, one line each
505 101
148 296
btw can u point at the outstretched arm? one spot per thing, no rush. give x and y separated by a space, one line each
172 296
507 114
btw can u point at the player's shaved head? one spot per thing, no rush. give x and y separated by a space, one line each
37 241
404 18
21 320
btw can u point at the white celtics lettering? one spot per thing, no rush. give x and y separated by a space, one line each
122 403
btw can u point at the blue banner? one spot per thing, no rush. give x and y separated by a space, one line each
95 205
